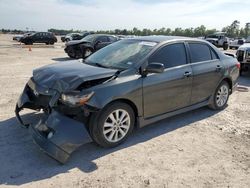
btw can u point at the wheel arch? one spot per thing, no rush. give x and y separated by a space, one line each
128 102
230 82
84 46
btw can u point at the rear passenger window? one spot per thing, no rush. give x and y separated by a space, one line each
170 56
199 52
214 55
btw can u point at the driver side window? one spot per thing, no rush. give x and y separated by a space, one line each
102 39
170 56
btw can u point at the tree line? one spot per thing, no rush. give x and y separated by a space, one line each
232 31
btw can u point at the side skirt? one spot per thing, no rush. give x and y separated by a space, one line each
143 122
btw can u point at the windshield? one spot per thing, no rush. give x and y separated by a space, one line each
89 38
121 54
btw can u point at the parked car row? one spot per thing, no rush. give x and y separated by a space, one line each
129 83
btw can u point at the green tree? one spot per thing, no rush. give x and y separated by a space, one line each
247 29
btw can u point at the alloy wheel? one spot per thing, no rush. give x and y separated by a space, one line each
116 125
222 95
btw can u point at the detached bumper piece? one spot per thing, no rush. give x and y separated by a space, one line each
59 135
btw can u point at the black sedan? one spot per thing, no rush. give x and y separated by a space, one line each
89 44
128 84
39 37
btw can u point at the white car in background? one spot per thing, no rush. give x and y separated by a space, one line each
243 56
218 39
236 43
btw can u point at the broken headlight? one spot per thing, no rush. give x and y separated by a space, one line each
76 98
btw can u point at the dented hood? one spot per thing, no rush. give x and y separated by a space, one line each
68 75
74 42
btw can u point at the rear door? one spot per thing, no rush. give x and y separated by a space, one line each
37 37
43 38
207 71
170 90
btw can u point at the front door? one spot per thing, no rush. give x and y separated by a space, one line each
101 42
170 90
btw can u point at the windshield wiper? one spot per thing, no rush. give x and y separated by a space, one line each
100 65
103 66
94 64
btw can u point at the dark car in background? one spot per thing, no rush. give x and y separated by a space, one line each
130 83
39 37
89 44
18 37
75 36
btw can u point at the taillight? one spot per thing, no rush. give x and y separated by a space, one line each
238 65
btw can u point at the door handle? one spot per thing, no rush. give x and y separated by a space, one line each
218 68
187 74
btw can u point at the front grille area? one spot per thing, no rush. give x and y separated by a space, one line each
248 54
37 98
240 55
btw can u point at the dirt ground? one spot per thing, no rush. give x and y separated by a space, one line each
202 148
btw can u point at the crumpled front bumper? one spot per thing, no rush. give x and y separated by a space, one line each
59 135
55 133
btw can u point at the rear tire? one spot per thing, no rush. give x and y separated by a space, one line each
220 96
112 125
225 46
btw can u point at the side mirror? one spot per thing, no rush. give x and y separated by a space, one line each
154 68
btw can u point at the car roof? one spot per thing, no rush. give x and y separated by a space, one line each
161 38
102 35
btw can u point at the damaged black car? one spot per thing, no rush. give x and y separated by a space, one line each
128 84
88 45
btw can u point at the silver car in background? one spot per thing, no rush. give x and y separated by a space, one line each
243 56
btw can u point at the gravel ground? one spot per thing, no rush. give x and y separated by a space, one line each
202 148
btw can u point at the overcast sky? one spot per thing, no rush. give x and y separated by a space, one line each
111 14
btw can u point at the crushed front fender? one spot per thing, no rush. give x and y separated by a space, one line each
59 135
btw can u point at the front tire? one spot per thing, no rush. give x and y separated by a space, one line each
87 52
112 125
220 97
225 46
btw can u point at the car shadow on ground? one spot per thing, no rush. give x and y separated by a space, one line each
22 162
